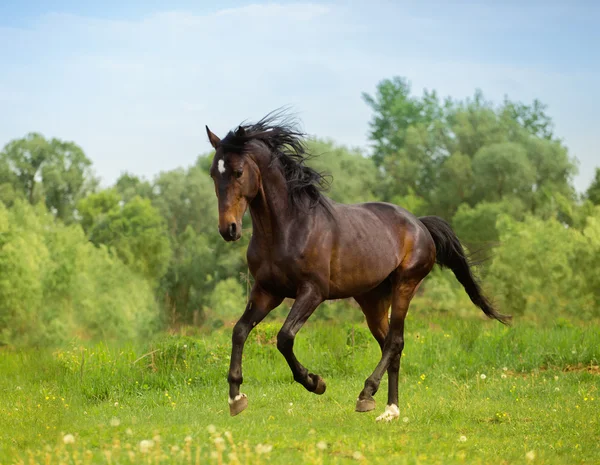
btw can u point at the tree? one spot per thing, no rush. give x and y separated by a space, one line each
134 231
130 185
56 286
353 176
501 170
53 171
466 151
593 192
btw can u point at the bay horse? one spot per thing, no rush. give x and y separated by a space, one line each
309 248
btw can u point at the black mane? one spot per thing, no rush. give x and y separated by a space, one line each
280 133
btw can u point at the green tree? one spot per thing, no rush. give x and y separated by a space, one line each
593 192
466 151
56 286
476 226
353 176
501 170
130 185
544 269
134 231
53 171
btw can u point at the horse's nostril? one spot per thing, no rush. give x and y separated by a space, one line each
232 230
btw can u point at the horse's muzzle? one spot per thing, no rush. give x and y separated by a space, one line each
231 233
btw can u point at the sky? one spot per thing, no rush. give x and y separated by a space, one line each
134 83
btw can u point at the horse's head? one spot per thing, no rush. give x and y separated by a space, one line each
237 181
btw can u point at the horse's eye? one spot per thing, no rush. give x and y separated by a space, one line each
238 173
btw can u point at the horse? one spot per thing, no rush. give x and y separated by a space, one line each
306 247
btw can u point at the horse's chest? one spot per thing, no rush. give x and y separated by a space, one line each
276 280
277 272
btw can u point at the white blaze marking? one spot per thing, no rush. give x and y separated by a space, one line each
391 412
221 166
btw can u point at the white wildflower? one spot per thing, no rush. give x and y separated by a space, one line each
463 439
69 439
357 456
219 443
482 376
503 376
263 448
212 429
321 445
405 419
530 455
146 445
129 432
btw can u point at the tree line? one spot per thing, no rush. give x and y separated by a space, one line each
141 255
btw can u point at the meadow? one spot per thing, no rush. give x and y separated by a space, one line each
471 391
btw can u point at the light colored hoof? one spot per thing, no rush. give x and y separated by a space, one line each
365 405
238 404
321 386
391 412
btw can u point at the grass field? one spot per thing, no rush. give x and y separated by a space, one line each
471 391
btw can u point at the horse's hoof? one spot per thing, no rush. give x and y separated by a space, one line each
391 413
238 404
365 405
321 386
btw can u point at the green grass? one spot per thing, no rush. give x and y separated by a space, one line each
537 403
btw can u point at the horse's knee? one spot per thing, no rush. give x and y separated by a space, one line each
396 344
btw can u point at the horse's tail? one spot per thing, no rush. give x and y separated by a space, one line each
450 254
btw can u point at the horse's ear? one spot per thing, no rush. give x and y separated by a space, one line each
213 139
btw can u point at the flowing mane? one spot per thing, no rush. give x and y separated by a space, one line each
280 133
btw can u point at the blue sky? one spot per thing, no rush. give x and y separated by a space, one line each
134 83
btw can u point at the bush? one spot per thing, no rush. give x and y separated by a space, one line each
545 269
55 285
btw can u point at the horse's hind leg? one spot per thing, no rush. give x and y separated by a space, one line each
375 305
404 286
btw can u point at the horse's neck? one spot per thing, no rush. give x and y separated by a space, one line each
269 209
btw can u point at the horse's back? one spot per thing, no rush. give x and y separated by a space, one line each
371 240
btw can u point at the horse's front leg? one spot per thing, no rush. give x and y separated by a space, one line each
259 305
307 300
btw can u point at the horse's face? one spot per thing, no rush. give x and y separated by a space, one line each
237 182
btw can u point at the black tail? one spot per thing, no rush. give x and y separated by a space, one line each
450 254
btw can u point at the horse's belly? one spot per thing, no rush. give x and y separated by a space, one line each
354 275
